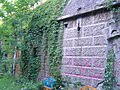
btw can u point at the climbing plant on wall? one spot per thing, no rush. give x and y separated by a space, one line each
43 38
109 81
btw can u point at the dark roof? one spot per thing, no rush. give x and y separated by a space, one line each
77 7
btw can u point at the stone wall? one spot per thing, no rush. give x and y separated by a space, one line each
114 43
90 31
85 47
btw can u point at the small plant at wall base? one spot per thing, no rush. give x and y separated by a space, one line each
109 81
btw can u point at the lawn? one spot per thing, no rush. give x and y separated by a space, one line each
8 84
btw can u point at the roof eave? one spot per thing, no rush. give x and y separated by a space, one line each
62 18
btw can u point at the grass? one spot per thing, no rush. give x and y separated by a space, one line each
7 83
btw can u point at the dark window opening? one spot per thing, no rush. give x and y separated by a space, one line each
35 51
78 28
6 55
66 25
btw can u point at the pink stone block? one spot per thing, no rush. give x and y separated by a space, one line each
82 62
67 61
99 62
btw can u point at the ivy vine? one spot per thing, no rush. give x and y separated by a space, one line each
43 38
109 77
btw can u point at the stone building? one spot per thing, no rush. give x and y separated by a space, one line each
90 30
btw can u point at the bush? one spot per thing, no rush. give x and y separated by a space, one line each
32 86
6 66
20 83
7 83
27 84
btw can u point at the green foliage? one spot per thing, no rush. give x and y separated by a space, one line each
109 5
44 35
109 81
27 84
16 16
32 86
7 83
35 33
11 83
6 66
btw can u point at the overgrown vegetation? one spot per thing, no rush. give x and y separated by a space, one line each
37 35
110 81
12 83
109 76
109 5
43 40
8 84
15 15
34 33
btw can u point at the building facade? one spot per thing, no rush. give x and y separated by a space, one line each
90 31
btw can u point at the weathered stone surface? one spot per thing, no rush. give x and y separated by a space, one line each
68 43
83 42
101 16
67 70
99 62
87 20
71 24
73 52
98 29
86 81
74 6
66 78
85 72
117 69
67 61
94 30
100 40
94 51
71 70
95 82
70 34
107 32
76 71
97 73
117 75
116 47
82 62
75 79
85 50
83 80
88 31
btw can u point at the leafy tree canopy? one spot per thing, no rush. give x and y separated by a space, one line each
15 16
